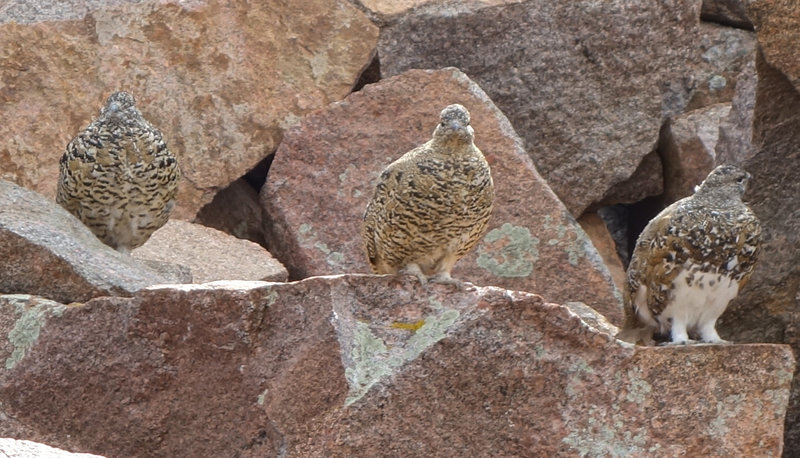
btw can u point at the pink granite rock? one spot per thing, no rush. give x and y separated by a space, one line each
210 254
358 365
222 79
325 171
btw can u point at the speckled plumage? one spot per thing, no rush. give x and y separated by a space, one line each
118 176
431 205
691 260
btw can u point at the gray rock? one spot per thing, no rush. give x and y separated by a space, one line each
646 181
735 143
585 83
767 310
46 251
210 254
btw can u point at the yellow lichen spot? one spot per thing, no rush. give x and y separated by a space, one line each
413 327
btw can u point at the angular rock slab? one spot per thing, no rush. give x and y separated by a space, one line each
46 251
325 171
221 78
210 254
583 82
688 149
359 365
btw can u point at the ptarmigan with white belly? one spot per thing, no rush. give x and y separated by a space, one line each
691 260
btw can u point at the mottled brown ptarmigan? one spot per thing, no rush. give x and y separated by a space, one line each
690 261
431 205
118 177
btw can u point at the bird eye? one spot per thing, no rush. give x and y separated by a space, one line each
741 179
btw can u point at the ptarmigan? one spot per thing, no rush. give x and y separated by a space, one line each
691 260
118 177
431 205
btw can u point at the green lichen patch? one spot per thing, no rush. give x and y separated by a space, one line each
508 251
308 239
371 359
32 315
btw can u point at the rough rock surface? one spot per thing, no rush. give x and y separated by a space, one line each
236 211
361 365
13 448
325 171
776 23
728 12
211 254
735 143
688 149
724 53
767 310
46 251
583 82
646 181
221 78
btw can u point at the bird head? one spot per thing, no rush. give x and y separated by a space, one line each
727 180
119 105
454 125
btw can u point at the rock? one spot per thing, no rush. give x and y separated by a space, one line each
210 254
12 448
727 12
176 273
324 173
222 79
688 149
358 365
735 143
646 181
594 227
26 12
46 251
236 211
583 82
778 29
767 310
724 53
